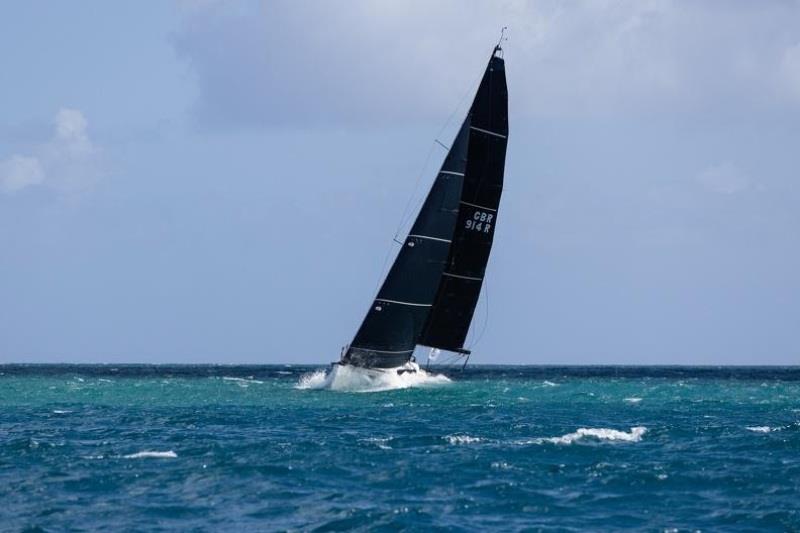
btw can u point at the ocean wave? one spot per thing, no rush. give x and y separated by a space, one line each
601 434
151 455
462 439
380 442
242 382
353 379
760 429
632 399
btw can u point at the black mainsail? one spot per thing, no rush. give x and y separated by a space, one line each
430 293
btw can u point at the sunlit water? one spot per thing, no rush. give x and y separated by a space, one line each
505 448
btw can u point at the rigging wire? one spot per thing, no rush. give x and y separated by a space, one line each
477 338
407 212
406 216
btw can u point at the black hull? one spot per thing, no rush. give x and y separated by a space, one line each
373 359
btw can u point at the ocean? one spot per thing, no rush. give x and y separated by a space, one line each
516 448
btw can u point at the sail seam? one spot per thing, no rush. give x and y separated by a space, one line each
401 303
381 351
461 277
488 132
451 172
478 206
428 237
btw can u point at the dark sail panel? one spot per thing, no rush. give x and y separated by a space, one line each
457 295
389 333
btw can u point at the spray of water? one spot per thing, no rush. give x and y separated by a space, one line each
354 379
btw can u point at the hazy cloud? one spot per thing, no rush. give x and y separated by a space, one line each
18 172
275 63
68 162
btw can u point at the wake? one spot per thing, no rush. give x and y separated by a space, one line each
354 379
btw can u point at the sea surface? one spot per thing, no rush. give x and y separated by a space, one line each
264 448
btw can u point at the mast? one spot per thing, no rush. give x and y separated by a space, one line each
450 317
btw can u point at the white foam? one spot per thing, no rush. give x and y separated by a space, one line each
602 434
380 442
633 399
242 382
549 384
347 378
313 380
761 429
154 455
61 412
462 439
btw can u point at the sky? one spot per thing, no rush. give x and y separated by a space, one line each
220 182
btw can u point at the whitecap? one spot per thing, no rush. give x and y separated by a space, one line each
462 439
60 412
761 429
242 382
380 442
346 378
150 454
632 399
602 434
549 384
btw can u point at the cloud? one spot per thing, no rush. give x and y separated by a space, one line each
725 178
69 162
18 172
285 63
71 132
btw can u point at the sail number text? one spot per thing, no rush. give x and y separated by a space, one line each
480 221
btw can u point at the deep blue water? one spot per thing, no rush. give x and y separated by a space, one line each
504 448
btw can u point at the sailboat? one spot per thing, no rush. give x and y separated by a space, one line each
429 296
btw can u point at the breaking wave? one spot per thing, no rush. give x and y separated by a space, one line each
242 382
151 455
462 439
760 429
601 434
355 379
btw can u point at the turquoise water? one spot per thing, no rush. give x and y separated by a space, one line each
505 448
